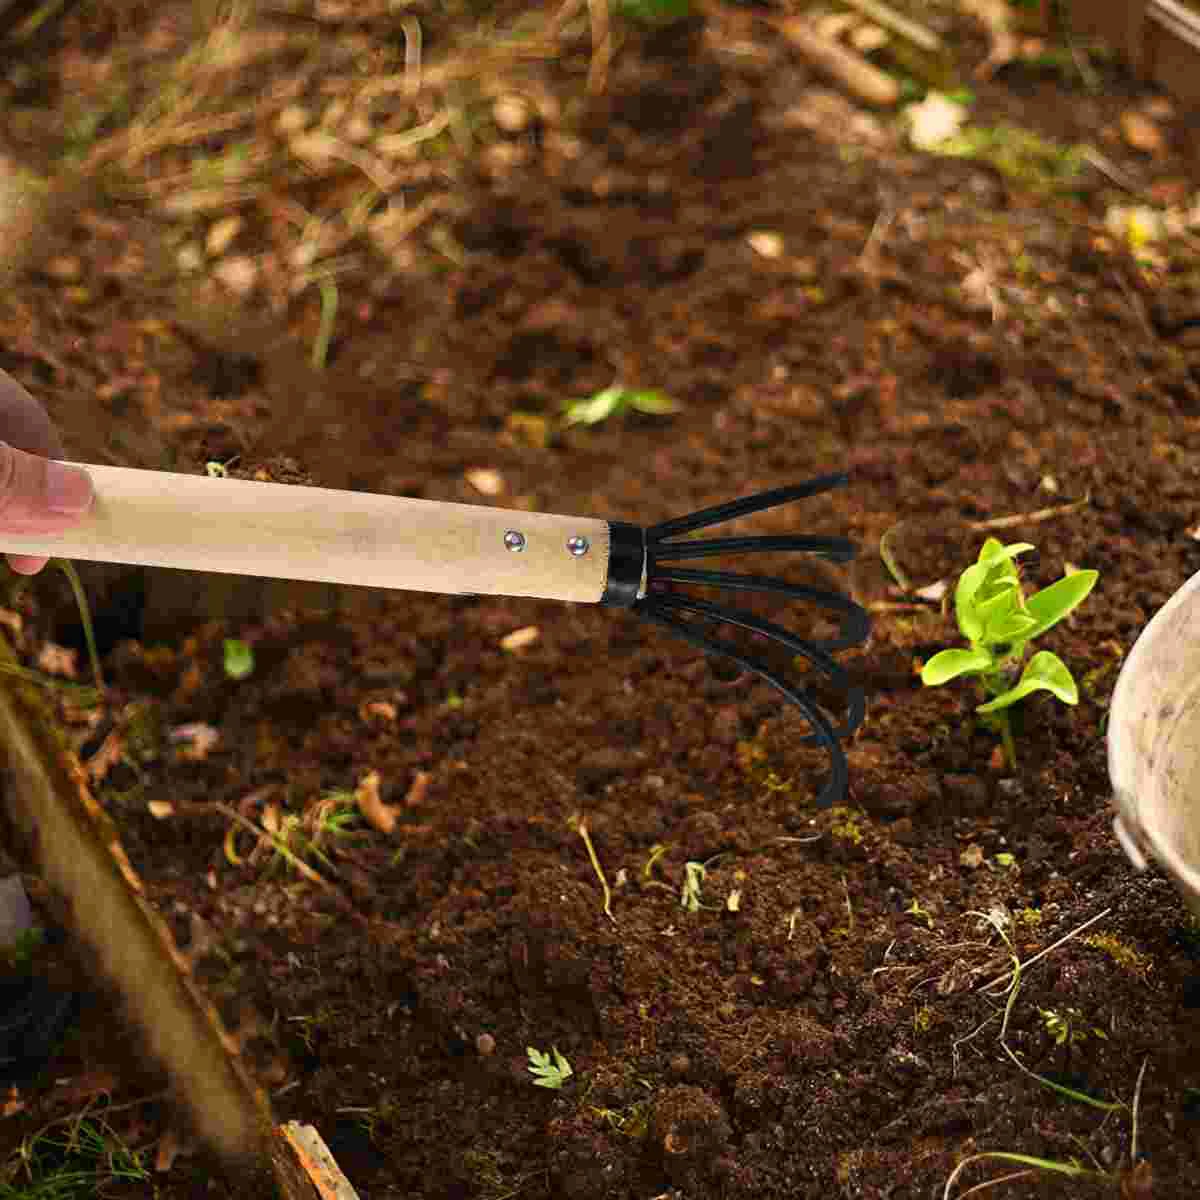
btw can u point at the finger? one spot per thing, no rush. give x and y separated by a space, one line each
24 422
40 496
26 564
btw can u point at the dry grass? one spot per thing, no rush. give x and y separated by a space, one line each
285 141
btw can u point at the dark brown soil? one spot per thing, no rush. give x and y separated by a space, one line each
830 1033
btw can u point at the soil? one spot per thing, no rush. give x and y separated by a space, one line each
822 1024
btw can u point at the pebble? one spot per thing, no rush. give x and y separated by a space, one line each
485 1044
238 273
512 113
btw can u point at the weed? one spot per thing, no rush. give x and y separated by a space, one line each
329 307
654 12
845 827
23 949
85 617
999 621
548 1072
1066 1026
923 1019
87 1161
916 910
613 401
632 1121
1018 153
238 658
656 852
1126 957
693 884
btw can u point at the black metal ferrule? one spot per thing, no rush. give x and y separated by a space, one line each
626 564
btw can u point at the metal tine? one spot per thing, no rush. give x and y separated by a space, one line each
856 699
734 616
834 549
760 502
856 618
823 731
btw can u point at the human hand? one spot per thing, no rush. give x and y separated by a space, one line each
36 495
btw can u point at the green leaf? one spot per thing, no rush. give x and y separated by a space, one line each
973 579
1051 604
949 664
1011 628
997 607
653 403
239 658
595 408
1045 672
550 1074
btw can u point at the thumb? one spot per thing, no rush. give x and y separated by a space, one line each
38 495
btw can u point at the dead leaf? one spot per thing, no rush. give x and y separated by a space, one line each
198 740
160 809
972 857
58 660
13 1103
417 789
378 815
222 234
1004 46
519 639
168 1150
107 757
374 712
1141 132
485 481
933 591
766 243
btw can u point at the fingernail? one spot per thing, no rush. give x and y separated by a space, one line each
68 491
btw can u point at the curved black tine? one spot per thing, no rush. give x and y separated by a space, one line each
759 502
812 651
834 549
856 698
823 731
856 624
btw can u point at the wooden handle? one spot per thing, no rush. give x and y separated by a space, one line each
241 527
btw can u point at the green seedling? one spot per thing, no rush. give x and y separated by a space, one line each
1000 621
693 885
26 945
549 1073
238 659
613 401
1066 1026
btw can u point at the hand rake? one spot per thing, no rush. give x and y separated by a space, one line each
195 522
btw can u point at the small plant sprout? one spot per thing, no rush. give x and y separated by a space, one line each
694 874
238 658
693 885
1000 621
613 401
549 1072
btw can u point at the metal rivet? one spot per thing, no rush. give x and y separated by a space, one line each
514 540
578 545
